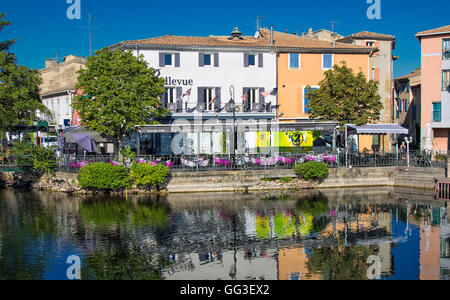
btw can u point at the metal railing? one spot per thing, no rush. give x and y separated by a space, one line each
228 162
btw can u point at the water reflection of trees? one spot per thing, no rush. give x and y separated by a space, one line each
25 227
340 262
134 237
128 261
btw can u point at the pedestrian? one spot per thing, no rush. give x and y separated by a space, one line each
403 148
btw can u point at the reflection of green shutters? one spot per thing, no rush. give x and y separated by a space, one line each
437 112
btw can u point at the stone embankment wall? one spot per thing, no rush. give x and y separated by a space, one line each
251 180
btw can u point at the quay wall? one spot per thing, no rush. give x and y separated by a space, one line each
254 180
230 181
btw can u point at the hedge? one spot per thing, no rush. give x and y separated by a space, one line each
104 176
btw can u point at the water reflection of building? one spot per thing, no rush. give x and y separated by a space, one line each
445 252
292 264
244 264
430 237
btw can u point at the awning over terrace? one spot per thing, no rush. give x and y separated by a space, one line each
243 126
69 133
376 129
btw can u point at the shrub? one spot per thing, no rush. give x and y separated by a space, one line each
285 179
440 157
103 176
312 171
148 175
42 160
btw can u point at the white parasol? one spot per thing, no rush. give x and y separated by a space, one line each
428 145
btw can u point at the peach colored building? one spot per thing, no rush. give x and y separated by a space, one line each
435 61
304 63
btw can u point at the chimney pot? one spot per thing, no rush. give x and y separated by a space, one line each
51 63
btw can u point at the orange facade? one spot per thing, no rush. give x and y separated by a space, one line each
292 81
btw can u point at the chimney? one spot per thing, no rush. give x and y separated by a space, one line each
271 35
51 62
236 34
310 31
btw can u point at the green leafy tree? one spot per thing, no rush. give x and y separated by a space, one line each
121 91
5 45
345 98
42 160
19 88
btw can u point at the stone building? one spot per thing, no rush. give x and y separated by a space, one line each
407 103
58 88
382 71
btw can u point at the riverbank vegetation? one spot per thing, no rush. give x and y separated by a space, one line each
109 177
40 159
312 171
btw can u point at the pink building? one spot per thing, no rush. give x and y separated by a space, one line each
435 108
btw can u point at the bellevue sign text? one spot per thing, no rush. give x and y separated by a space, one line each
179 82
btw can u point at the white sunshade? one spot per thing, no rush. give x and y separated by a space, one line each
378 129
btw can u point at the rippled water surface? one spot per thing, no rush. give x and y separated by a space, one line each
330 234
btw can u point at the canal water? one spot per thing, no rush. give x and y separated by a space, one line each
384 233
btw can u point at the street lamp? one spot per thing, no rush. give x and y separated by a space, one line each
232 105
408 141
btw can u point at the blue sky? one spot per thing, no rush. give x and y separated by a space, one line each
43 30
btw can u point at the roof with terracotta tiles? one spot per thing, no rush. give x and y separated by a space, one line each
282 41
369 35
436 31
414 73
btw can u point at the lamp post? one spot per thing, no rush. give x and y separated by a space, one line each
232 105
408 141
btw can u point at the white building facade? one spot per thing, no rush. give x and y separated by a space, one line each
202 76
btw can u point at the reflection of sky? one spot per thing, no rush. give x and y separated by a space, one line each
58 269
406 252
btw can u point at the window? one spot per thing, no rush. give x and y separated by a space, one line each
370 43
208 96
169 96
327 61
252 99
168 59
446 80
306 110
294 61
446 49
207 59
252 60
399 105
406 104
436 111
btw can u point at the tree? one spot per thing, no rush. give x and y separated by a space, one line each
345 97
19 88
5 45
121 91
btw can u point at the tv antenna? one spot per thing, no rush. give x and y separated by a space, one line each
333 23
258 22
90 33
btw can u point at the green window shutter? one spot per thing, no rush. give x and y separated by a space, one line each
437 112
